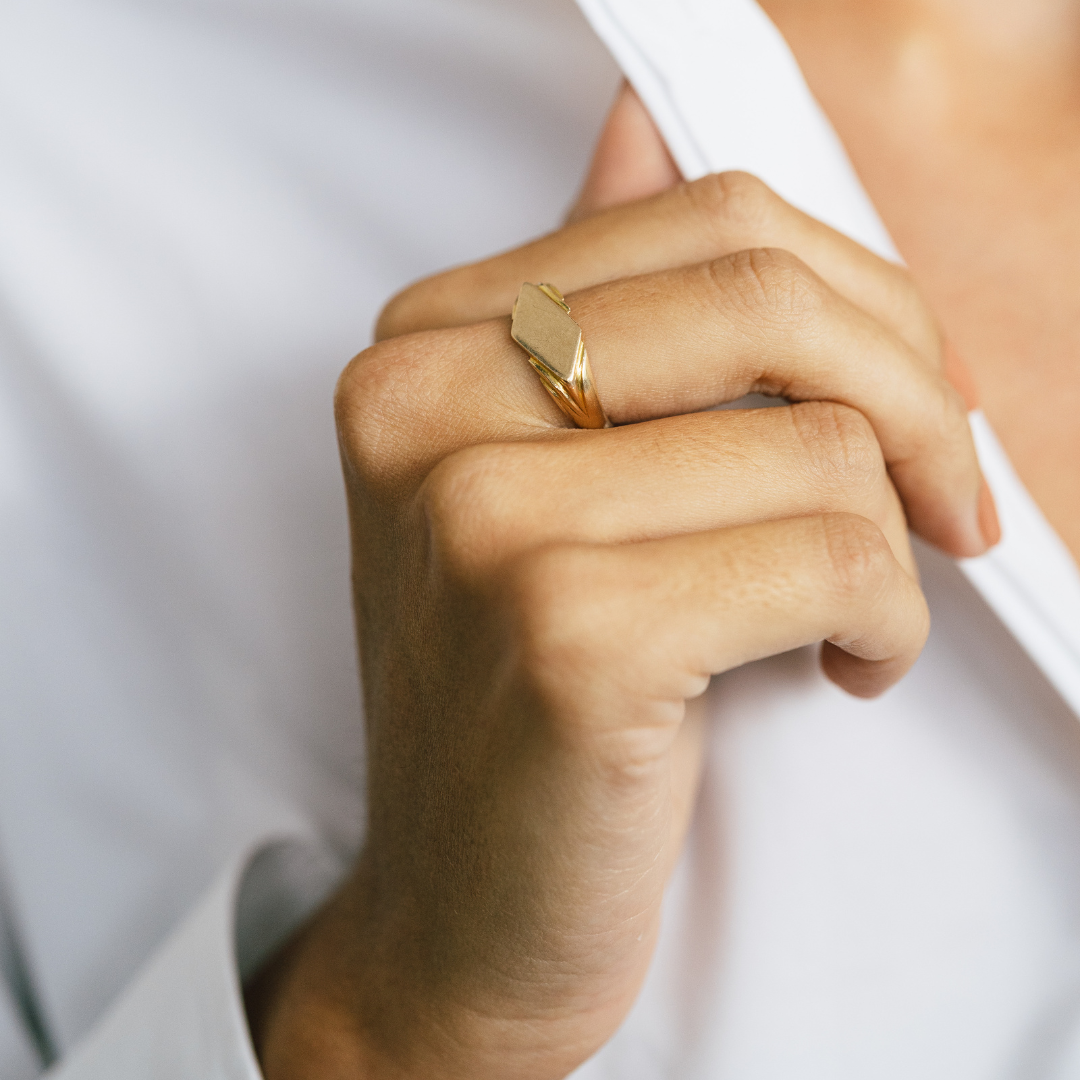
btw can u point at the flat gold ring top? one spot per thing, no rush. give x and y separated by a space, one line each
542 326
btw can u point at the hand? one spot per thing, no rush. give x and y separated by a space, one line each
537 604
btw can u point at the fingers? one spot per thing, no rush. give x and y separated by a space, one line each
760 321
705 471
616 638
692 223
631 160
682 341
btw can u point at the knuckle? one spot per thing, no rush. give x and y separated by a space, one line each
547 590
954 408
943 421
387 407
733 199
858 555
775 286
561 606
466 504
919 326
403 313
907 294
552 600
841 446
367 407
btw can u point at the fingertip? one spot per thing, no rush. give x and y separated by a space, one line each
862 678
969 534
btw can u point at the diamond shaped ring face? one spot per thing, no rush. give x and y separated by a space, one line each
544 329
542 326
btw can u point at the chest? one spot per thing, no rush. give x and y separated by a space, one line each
974 165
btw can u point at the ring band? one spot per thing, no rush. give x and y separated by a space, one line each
542 326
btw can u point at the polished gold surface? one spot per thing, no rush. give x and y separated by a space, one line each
542 326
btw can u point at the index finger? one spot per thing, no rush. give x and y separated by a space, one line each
692 223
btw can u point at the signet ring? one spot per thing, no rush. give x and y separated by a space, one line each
542 326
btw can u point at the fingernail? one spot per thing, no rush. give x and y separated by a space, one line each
989 525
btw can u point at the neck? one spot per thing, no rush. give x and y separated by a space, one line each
1013 29
950 60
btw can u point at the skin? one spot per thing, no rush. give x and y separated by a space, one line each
530 648
975 175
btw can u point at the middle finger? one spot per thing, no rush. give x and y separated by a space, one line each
678 475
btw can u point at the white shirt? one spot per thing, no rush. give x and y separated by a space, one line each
201 208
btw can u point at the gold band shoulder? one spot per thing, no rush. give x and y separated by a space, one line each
542 326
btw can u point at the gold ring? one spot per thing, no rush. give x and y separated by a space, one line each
542 326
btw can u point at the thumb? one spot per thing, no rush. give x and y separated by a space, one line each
630 161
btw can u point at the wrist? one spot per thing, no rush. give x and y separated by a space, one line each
340 1002
299 1029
